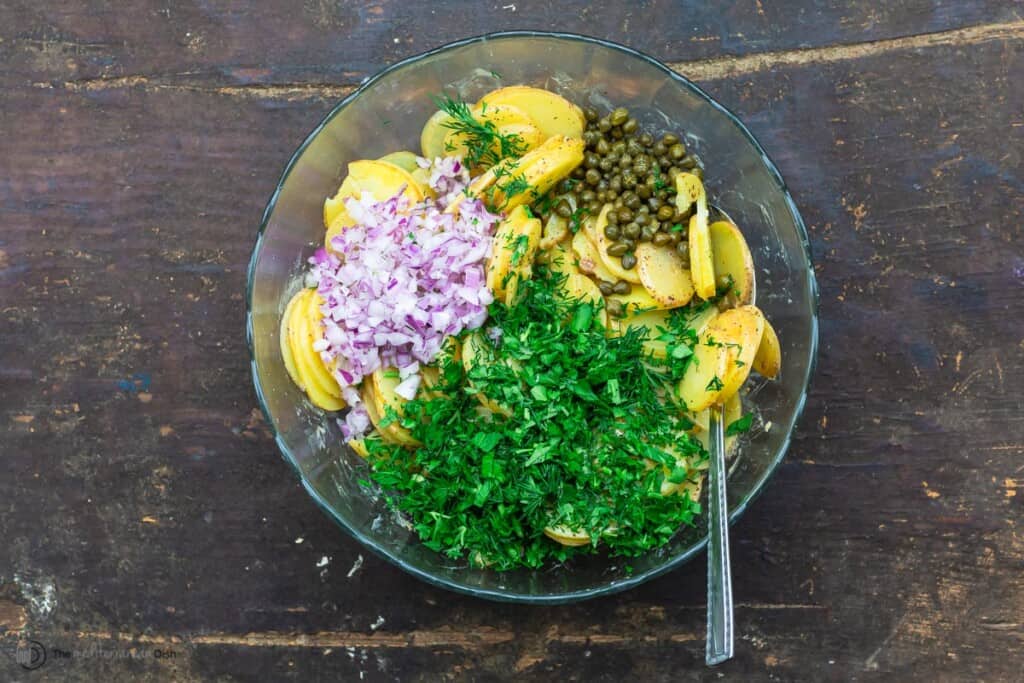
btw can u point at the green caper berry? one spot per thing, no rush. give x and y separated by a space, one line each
604 125
630 126
631 230
605 165
606 288
644 191
563 209
629 242
628 261
579 172
642 219
628 179
634 148
646 139
614 307
661 239
590 114
613 217
655 203
592 176
660 149
618 148
617 249
687 163
619 116
631 200
699 172
683 248
611 231
665 213
669 139
602 147
622 287
591 160
677 151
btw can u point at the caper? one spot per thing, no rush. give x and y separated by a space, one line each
668 225
643 209
601 196
655 203
590 137
622 287
677 151
634 148
659 149
631 230
664 162
579 172
625 213
625 160
594 207
687 163
642 219
604 125
619 116
614 307
673 172
587 196
617 134
613 217
563 209
665 213
615 183
629 242
646 139
698 171
661 239
610 193
631 200
617 249
618 203
602 185
676 237
683 248
642 165
644 191
592 176
669 139
611 231
646 233
628 179
590 114
565 186
628 261
605 287
630 126
605 165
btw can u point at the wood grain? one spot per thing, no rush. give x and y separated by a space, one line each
143 503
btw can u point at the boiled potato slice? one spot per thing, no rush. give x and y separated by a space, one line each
433 135
745 329
515 182
556 229
512 251
579 287
731 411
595 232
507 121
561 533
524 251
404 160
639 299
732 260
473 354
384 381
381 179
313 331
656 323
589 260
702 383
768 360
663 275
689 191
551 113
322 391
394 433
286 347
561 259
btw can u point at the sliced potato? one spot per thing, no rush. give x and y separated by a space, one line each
286 348
433 134
745 329
393 433
515 182
313 332
381 179
472 355
513 250
551 113
385 381
689 191
595 232
560 533
561 259
732 260
523 254
322 392
579 287
556 229
403 159
638 299
663 275
589 260
702 383
656 323
507 121
731 411
768 360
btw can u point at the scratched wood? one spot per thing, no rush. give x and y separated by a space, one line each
143 506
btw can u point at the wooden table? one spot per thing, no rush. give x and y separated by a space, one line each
152 532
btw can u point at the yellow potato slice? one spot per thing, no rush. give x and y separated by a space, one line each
768 360
313 332
472 354
702 383
579 287
403 159
556 229
656 323
739 330
689 191
513 249
663 275
322 392
433 135
561 259
638 299
394 433
514 182
524 251
551 113
595 232
381 179
507 121
732 260
589 261
731 411
286 349
385 381
561 533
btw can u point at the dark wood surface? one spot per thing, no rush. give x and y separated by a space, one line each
144 507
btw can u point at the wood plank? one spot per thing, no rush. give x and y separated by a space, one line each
318 42
143 495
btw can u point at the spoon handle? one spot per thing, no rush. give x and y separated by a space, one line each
720 625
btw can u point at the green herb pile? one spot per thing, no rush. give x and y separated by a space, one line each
591 436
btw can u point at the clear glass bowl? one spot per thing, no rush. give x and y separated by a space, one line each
385 114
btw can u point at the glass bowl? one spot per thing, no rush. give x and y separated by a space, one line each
384 115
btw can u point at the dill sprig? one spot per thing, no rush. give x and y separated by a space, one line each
485 144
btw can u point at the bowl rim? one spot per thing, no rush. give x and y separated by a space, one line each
491 593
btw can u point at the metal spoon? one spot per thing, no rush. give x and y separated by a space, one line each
720 622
